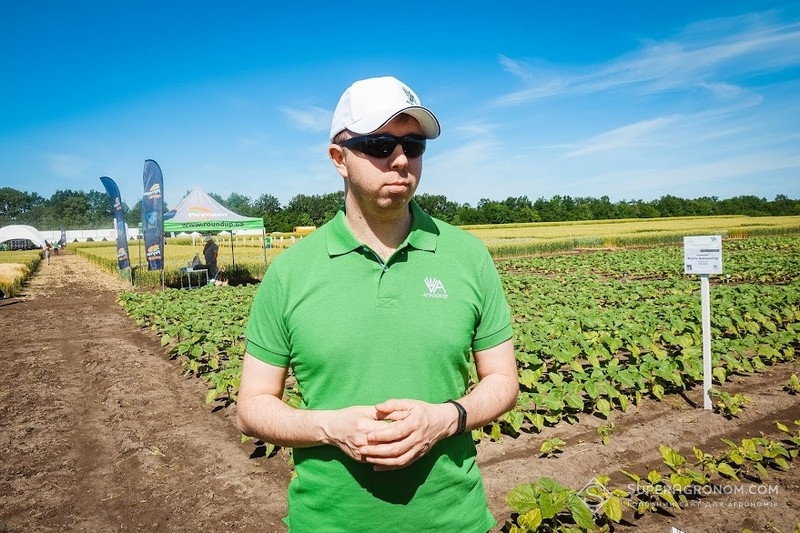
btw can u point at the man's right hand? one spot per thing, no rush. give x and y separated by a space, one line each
347 428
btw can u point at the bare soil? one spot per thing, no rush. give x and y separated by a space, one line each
99 431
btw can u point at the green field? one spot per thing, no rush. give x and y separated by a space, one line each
594 333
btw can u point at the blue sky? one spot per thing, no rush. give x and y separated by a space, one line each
632 100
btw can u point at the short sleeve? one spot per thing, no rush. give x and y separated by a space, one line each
494 326
266 334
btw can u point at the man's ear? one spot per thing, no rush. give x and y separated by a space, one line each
336 153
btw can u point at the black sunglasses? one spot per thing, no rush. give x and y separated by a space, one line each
384 144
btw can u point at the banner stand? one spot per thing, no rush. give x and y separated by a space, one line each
153 217
123 259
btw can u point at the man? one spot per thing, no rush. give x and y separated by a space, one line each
210 253
379 314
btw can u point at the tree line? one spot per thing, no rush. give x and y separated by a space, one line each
69 209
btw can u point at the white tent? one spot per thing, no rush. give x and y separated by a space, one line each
200 212
8 233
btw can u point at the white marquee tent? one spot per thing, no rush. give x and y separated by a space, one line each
18 231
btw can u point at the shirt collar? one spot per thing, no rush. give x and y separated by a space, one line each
422 235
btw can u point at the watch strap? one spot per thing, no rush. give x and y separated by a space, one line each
462 417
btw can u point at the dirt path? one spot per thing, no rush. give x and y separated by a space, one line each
99 432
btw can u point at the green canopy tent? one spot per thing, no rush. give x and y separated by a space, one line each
200 212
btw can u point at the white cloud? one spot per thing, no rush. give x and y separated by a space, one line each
710 54
539 82
624 138
723 177
312 118
66 165
726 91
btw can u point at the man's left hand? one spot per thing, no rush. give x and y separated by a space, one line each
415 427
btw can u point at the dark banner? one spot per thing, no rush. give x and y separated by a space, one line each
119 222
153 215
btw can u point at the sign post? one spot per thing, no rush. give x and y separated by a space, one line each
703 256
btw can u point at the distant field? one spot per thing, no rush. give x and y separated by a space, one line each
566 235
503 240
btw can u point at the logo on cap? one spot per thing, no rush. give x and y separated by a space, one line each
411 98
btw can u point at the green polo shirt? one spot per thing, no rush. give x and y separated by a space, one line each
358 331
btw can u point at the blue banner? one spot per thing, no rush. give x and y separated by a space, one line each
119 222
153 215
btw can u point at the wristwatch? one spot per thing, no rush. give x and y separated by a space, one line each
462 417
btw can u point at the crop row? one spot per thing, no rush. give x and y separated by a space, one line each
590 345
763 260
203 329
593 332
16 267
548 506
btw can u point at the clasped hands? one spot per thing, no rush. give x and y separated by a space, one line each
392 434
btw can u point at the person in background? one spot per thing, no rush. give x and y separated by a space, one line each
210 253
380 314
47 248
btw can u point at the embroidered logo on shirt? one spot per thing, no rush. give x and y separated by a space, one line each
435 288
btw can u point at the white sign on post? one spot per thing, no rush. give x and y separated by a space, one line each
703 255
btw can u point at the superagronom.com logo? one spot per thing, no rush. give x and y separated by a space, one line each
594 495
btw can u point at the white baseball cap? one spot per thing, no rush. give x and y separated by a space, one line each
368 105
